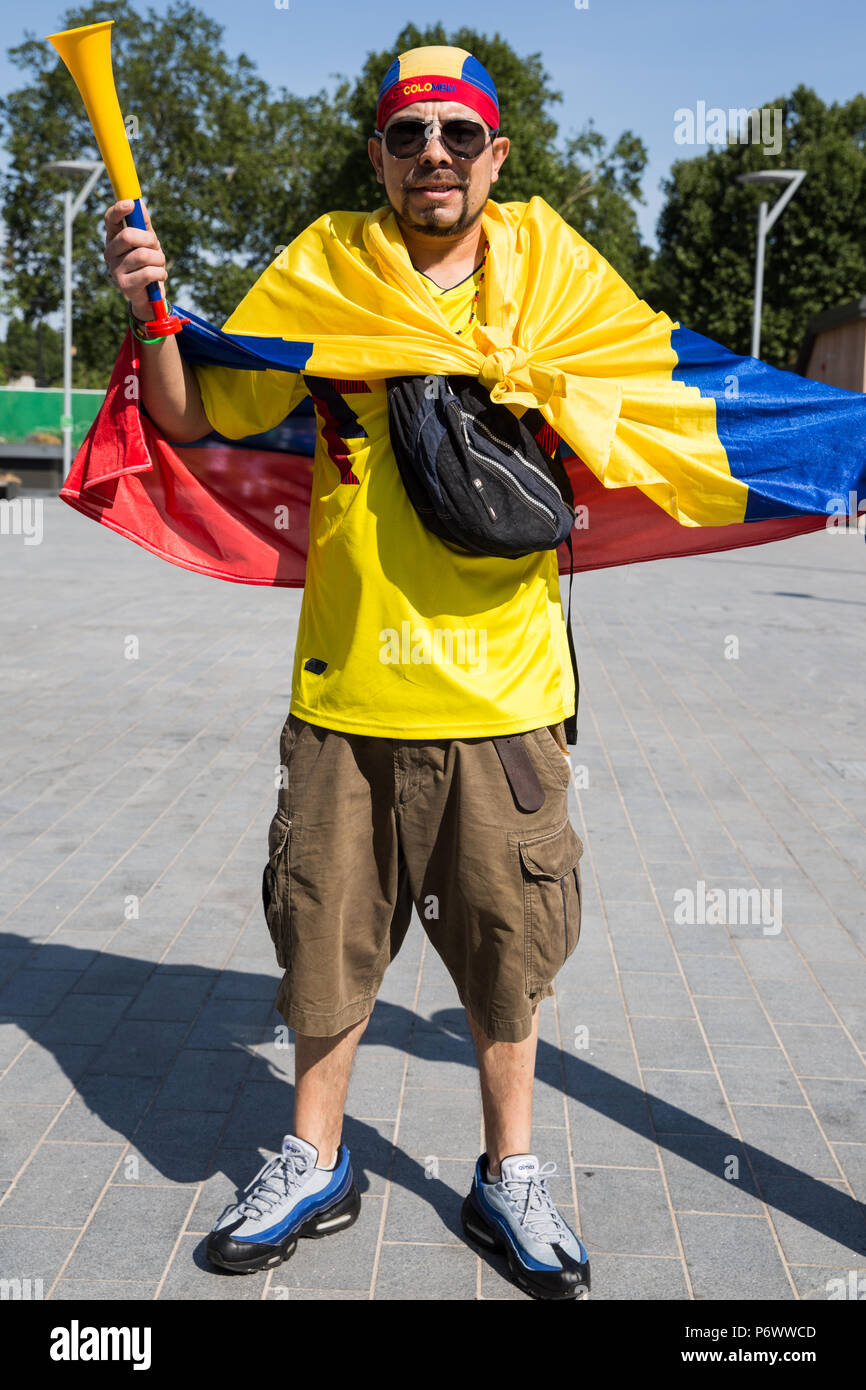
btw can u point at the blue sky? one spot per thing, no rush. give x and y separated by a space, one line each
626 63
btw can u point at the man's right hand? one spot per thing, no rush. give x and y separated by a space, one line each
134 258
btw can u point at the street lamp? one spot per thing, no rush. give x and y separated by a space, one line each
72 205
793 178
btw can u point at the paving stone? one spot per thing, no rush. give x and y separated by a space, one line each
840 1107
112 974
425 1199
821 1051
172 1146
685 1102
637 951
656 996
734 1021
632 1278
843 982
717 975
444 1272
608 1130
708 1172
225 1023
816 1222
442 1122
139 1048
35 1252
170 997
376 1083
602 1015
757 1075
825 943
14 1037
826 1283
785 1141
853 1160
83 1018
262 1114
203 1080
604 1068
48 1074
733 1258
94 1290
21 1128
145 1220
625 1211
35 992
773 959
800 1002
667 1043
103 1108
60 1184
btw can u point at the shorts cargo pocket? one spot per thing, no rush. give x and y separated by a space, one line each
552 901
276 887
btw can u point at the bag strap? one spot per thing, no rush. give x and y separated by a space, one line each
571 721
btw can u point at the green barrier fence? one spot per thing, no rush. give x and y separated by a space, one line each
36 416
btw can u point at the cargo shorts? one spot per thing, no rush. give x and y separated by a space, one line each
367 827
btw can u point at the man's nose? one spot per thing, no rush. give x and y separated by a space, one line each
434 151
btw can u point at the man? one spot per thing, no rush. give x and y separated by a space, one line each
411 657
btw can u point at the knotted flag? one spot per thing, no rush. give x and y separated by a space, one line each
674 444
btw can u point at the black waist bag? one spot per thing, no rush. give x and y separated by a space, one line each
479 477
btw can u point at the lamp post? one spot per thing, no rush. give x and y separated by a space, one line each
793 178
72 205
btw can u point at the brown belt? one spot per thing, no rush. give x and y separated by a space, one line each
523 780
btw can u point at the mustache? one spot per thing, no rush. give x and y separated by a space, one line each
435 183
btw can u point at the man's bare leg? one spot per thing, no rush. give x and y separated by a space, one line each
322 1070
507 1071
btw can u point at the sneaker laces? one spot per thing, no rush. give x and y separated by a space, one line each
273 1182
538 1214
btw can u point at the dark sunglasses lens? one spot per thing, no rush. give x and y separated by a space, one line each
403 138
465 139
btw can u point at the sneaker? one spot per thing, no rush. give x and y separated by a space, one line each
289 1197
516 1214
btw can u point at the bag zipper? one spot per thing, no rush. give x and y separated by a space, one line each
540 474
477 483
511 482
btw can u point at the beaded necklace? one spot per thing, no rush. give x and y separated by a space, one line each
478 290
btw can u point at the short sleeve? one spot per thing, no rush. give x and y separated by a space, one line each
238 403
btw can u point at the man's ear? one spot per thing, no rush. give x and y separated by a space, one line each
374 150
501 146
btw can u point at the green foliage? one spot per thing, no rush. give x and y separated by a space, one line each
203 120
232 171
33 350
816 252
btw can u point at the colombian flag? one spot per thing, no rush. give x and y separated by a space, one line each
674 444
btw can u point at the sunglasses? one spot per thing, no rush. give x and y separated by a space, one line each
463 139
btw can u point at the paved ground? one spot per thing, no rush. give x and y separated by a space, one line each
701 1083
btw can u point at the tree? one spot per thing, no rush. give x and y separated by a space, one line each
33 351
816 253
232 172
198 121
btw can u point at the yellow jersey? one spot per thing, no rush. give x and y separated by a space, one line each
400 635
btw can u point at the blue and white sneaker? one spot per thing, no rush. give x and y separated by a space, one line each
289 1197
516 1214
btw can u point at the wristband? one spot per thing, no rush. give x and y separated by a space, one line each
136 326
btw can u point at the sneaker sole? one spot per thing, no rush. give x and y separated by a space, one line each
339 1217
478 1230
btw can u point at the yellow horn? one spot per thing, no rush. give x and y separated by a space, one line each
87 54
